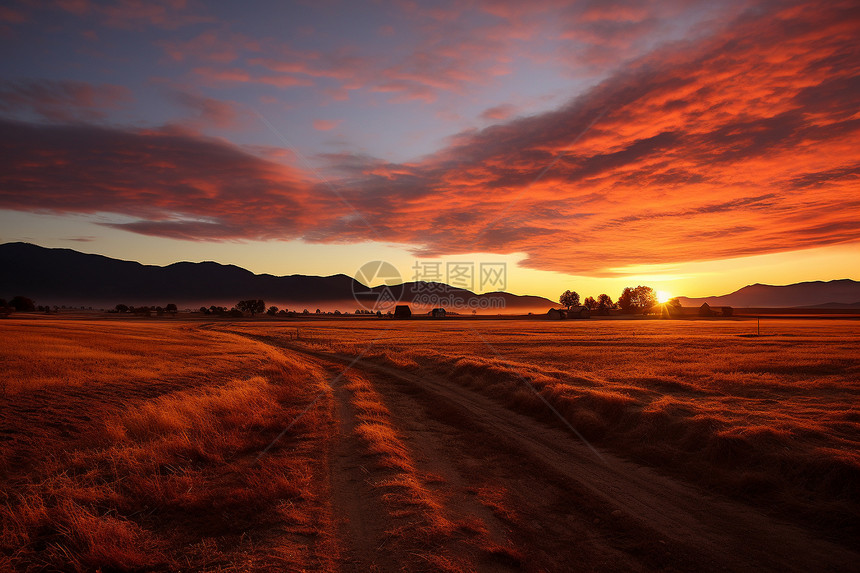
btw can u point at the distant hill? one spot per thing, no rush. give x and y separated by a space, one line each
836 305
69 277
843 293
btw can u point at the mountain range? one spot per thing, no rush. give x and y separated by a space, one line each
843 293
69 277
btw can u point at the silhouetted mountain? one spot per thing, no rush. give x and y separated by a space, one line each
843 293
66 276
836 305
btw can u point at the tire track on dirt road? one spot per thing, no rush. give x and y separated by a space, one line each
362 521
391 514
575 511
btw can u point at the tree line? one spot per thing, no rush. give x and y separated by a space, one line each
26 304
146 310
631 301
252 306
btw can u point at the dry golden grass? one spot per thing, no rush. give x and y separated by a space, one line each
774 419
133 445
42 353
170 479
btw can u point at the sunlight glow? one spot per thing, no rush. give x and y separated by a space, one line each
663 296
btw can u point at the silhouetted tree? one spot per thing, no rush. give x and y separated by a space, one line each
646 297
22 304
273 310
590 303
306 311
569 299
253 306
171 308
121 308
637 299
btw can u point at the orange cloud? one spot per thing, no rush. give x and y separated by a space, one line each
743 143
499 112
326 124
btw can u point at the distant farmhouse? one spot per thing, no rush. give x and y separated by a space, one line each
572 312
579 312
706 310
402 311
555 314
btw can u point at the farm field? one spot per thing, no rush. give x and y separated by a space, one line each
453 445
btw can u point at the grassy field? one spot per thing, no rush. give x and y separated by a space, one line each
161 445
771 419
130 446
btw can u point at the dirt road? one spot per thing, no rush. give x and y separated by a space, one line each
521 494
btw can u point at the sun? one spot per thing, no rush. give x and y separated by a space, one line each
663 296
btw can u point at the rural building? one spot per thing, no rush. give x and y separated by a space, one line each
402 311
438 313
705 310
555 314
728 311
578 312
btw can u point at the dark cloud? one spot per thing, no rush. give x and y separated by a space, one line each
169 180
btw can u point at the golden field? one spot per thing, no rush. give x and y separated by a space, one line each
773 419
456 445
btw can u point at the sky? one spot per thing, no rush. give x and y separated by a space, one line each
695 147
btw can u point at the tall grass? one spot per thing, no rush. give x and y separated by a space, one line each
174 481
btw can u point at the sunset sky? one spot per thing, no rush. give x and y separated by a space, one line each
692 146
